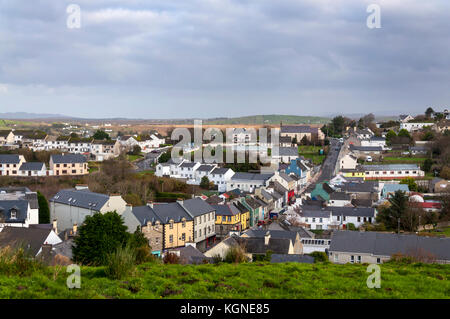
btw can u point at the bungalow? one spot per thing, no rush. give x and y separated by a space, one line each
10 164
247 182
375 247
68 164
72 206
392 171
33 169
293 236
439 185
374 141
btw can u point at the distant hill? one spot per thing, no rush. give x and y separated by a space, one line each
269 119
31 116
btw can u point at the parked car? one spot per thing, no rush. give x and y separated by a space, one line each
369 159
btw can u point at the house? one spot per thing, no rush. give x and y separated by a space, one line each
191 255
17 213
149 223
227 219
68 164
405 118
244 216
364 134
203 216
247 182
220 176
413 126
439 185
301 169
243 136
376 247
6 137
285 141
255 208
349 161
221 248
392 171
72 206
322 190
293 236
178 225
10 164
279 258
389 189
203 171
341 216
33 169
262 245
33 139
285 154
374 141
316 219
298 132
416 150
80 145
105 149
56 143
368 150
31 239
23 193
340 199
361 190
187 170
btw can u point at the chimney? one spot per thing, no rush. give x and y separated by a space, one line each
75 228
46 249
150 204
55 226
266 238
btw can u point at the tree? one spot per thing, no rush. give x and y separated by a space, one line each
390 136
44 211
445 172
427 164
390 215
410 182
164 157
429 112
428 136
404 133
101 135
136 150
99 236
204 183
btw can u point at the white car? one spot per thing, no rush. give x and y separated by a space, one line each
369 159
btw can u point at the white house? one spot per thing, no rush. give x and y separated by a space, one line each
285 154
405 118
316 219
105 149
374 141
410 126
348 161
33 169
17 213
56 143
247 182
392 171
220 177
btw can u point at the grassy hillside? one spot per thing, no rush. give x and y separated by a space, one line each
270 119
254 280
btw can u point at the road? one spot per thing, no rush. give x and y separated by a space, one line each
329 165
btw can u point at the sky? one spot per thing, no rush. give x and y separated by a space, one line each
223 58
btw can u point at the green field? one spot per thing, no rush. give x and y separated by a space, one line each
402 160
8 124
252 280
132 158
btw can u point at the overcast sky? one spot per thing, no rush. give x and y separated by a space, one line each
213 58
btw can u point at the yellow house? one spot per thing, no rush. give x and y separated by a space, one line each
228 218
10 164
178 225
244 215
68 164
354 174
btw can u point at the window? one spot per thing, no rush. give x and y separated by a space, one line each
352 259
359 259
378 260
171 225
13 214
335 257
183 236
314 220
171 239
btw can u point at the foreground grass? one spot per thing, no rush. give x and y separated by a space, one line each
253 280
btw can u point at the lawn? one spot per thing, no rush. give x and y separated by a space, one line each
445 231
132 158
147 172
403 160
252 280
312 152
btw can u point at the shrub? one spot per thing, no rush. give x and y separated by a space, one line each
235 254
171 258
351 226
319 256
121 262
18 262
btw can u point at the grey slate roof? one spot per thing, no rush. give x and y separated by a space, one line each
145 214
169 211
256 245
9 159
188 164
352 211
81 198
283 258
288 151
339 196
356 187
297 129
220 170
68 158
31 166
251 177
30 239
316 213
20 206
226 210
366 148
390 167
205 168
261 233
197 207
387 244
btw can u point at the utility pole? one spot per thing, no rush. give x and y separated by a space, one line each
398 229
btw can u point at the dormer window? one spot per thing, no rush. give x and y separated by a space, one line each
13 214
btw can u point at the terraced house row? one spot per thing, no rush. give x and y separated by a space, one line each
59 165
